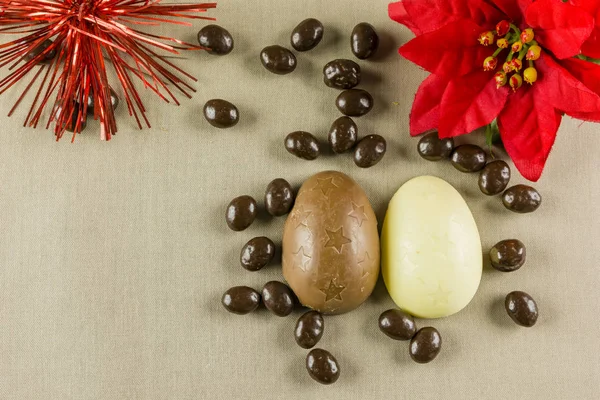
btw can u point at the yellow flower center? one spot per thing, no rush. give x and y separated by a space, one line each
520 47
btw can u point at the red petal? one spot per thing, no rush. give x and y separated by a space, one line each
591 6
450 51
590 117
591 47
470 102
422 16
425 114
515 9
587 72
528 127
562 90
398 13
560 27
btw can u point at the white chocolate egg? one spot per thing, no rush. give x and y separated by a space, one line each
431 257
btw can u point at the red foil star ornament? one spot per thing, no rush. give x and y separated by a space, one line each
64 48
546 53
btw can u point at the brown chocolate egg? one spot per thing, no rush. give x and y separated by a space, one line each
331 244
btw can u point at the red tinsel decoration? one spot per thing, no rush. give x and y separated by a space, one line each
66 45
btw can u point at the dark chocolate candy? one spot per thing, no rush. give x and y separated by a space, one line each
221 113
257 253
279 197
508 255
72 123
278 298
354 102
521 308
397 324
364 41
322 366
522 199
307 35
303 145
432 148
49 55
468 158
216 40
343 135
241 300
278 60
114 102
309 329
494 178
241 213
425 345
341 74
369 151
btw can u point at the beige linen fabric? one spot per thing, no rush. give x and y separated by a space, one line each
114 256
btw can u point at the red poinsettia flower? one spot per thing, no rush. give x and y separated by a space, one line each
592 46
520 64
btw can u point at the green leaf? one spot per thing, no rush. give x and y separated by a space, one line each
492 136
585 58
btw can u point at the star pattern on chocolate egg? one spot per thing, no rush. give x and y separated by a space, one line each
411 265
302 217
337 240
325 185
334 222
428 193
456 227
364 263
333 291
358 213
300 258
440 296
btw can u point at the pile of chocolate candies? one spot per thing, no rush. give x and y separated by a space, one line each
493 176
277 297
339 74
507 255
